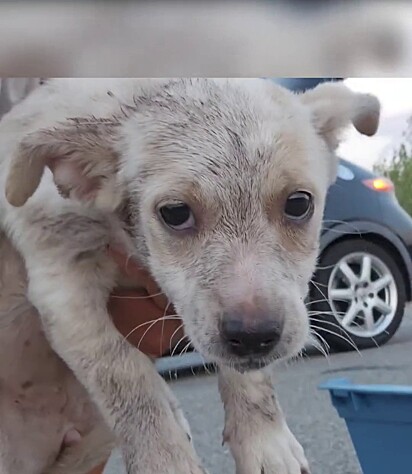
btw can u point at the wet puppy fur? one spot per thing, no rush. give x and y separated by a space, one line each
91 162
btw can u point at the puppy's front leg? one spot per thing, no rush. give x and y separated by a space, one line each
255 428
71 299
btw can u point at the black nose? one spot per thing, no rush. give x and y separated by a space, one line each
243 339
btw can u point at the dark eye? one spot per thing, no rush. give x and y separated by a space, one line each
177 216
298 205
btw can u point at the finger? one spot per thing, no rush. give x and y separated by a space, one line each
131 268
159 298
117 255
127 264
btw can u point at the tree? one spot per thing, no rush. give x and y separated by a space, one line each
398 169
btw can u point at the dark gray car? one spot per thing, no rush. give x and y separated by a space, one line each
364 274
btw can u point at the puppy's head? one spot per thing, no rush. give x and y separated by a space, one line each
226 182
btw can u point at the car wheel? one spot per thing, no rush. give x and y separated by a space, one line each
358 295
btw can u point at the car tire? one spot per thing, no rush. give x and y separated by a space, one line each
327 314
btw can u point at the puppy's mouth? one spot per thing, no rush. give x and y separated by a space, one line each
246 363
251 364
221 355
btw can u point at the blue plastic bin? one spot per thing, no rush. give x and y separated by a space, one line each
379 420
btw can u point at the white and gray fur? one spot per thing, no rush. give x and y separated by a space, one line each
85 163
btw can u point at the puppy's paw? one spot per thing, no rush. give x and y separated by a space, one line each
169 438
174 448
272 450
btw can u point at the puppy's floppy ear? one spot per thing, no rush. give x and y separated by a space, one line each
334 107
81 153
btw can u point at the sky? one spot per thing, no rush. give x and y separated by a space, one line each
396 101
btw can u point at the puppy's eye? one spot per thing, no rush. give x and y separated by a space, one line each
177 216
299 205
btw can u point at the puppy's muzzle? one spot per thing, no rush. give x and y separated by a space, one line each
251 333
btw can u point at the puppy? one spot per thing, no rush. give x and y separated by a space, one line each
218 188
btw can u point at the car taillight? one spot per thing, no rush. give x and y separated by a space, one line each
382 185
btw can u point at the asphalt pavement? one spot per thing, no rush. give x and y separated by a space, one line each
309 411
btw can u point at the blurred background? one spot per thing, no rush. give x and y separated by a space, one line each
198 38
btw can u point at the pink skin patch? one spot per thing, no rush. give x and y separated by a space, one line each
69 177
71 438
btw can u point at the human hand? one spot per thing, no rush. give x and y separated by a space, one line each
142 313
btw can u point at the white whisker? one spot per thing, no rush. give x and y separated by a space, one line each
185 349
317 301
315 284
163 327
319 347
151 322
173 335
316 313
177 345
323 340
349 341
145 297
338 326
